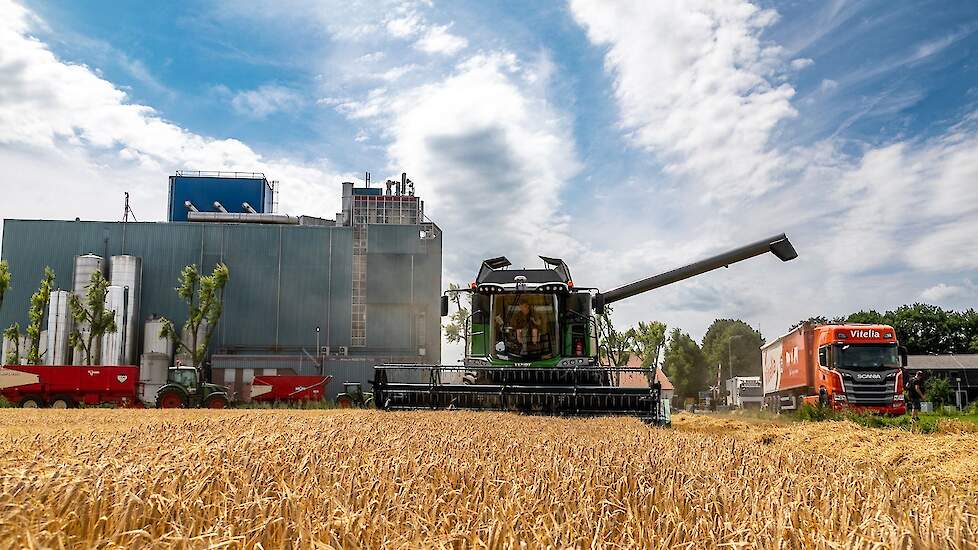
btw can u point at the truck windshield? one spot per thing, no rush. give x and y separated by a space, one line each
866 355
524 326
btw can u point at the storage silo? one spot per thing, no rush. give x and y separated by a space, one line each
152 343
85 266
152 375
112 342
59 327
127 272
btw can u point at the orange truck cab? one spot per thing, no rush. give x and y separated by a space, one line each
850 366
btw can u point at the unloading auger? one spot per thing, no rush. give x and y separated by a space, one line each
531 345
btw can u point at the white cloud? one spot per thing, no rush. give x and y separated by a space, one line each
266 100
71 133
942 291
699 88
693 82
801 63
491 155
437 40
405 26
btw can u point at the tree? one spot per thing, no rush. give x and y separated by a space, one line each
684 364
938 390
733 343
455 327
92 320
612 344
204 296
647 341
35 315
871 317
12 334
4 279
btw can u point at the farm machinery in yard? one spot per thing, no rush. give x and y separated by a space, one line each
186 389
531 345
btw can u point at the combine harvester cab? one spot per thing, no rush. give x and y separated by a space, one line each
531 346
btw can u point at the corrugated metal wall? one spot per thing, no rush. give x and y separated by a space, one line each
285 280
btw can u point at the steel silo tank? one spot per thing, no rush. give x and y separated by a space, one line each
152 375
85 266
59 326
127 272
112 342
152 343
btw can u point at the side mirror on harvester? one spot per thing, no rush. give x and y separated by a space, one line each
444 305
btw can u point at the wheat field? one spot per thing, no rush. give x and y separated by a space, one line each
368 479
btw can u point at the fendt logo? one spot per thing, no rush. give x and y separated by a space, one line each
861 333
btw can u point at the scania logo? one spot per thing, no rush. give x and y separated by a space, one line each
864 333
868 376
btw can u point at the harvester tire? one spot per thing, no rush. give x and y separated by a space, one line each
62 402
216 402
171 400
344 401
31 402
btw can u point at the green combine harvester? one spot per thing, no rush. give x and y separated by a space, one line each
532 346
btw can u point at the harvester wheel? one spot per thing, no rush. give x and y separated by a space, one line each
344 401
61 402
31 403
171 400
216 402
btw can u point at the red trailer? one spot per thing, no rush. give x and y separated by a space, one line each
69 385
288 388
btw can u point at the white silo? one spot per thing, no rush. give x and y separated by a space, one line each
127 272
152 375
152 343
112 342
59 326
85 266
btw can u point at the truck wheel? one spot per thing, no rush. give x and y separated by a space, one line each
62 402
216 402
31 403
171 400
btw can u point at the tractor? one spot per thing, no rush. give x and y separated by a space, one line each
531 345
186 389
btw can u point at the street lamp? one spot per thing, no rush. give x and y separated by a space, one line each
319 351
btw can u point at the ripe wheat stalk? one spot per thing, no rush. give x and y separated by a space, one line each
367 479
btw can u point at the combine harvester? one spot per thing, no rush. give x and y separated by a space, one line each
531 345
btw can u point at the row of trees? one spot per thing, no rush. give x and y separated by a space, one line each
922 328
203 295
730 347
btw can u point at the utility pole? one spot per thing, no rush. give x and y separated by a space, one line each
730 365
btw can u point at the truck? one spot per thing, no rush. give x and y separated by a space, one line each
845 366
63 387
744 392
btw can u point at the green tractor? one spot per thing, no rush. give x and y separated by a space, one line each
531 345
353 396
186 389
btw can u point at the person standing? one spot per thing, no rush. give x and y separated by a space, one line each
915 394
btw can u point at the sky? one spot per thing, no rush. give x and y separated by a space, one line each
627 137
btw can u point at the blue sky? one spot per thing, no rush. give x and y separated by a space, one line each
625 136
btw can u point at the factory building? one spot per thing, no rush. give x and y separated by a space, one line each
306 295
